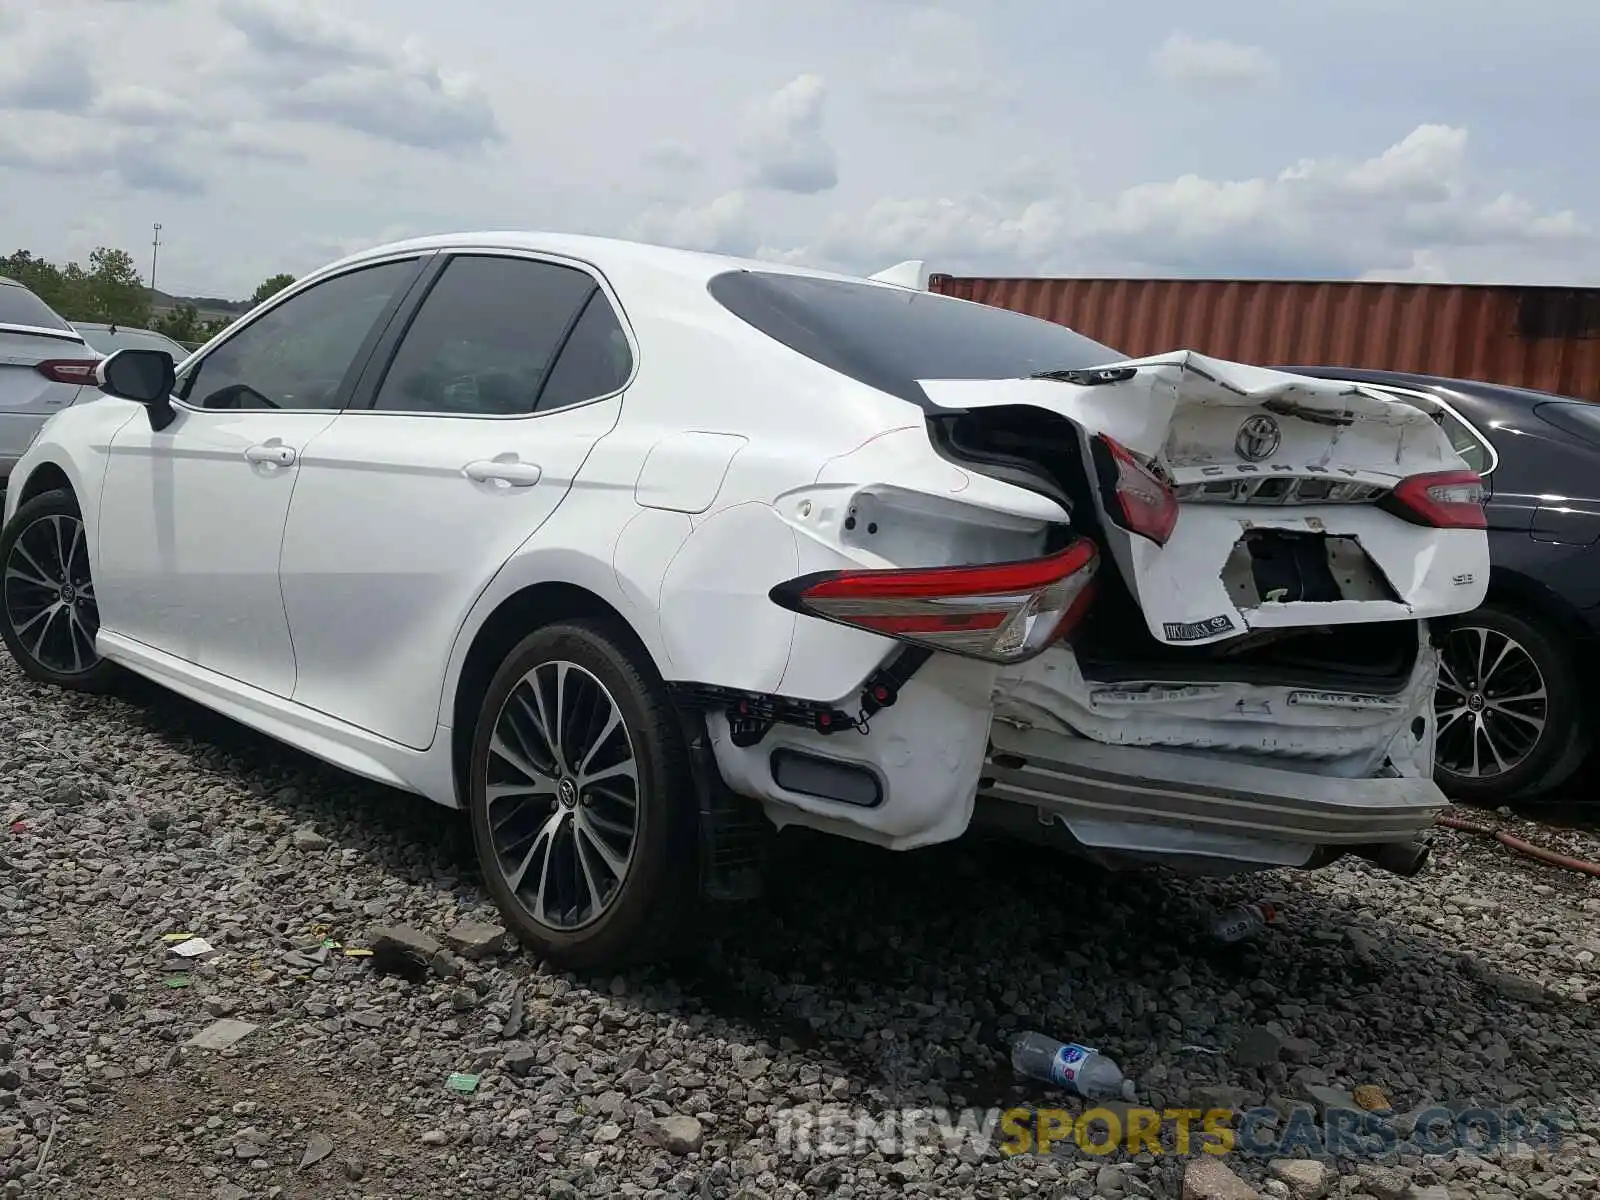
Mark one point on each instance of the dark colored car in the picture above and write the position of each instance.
(1517, 680)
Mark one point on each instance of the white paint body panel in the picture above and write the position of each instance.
(333, 602)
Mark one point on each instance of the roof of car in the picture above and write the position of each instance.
(601, 252)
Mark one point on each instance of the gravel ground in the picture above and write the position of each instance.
(866, 979)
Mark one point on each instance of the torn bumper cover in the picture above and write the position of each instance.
(1211, 777)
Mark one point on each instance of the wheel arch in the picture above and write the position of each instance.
(1533, 598)
(513, 618)
(46, 477)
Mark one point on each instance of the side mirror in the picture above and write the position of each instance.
(144, 376)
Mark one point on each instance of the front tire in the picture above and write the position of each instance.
(582, 802)
(1509, 707)
(48, 613)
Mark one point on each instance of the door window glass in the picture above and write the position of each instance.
(484, 340)
(298, 355)
(596, 360)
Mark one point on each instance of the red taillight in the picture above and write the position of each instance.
(999, 612)
(1134, 497)
(68, 370)
(1442, 500)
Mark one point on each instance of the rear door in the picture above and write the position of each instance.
(43, 363)
(466, 434)
(1287, 492)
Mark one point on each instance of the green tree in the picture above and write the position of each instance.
(108, 290)
(271, 287)
(113, 290)
(181, 324)
(43, 279)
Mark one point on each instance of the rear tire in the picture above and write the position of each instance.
(582, 802)
(48, 613)
(1519, 733)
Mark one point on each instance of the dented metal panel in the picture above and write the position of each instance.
(1536, 337)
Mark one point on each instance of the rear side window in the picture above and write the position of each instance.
(1574, 417)
(889, 338)
(596, 360)
(486, 338)
(1464, 440)
(19, 306)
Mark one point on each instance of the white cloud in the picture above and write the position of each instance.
(784, 144)
(311, 65)
(45, 74)
(1404, 208)
(939, 72)
(1212, 63)
(1027, 137)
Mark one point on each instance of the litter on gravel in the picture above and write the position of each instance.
(864, 984)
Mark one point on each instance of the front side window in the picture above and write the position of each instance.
(486, 339)
(298, 355)
(889, 338)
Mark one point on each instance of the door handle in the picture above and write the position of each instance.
(516, 474)
(276, 455)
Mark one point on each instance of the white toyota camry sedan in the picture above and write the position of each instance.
(637, 555)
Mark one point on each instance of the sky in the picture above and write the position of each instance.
(1433, 140)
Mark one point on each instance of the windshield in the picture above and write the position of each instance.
(19, 306)
(890, 337)
(107, 342)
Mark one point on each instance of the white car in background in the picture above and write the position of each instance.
(108, 339)
(636, 554)
(44, 366)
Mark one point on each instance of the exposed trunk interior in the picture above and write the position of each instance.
(1039, 450)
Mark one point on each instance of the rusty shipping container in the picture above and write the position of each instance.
(1536, 337)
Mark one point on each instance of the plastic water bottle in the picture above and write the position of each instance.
(1244, 920)
(1081, 1069)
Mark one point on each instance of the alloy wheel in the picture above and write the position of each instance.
(1491, 703)
(562, 796)
(49, 597)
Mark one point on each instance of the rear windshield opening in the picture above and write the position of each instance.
(19, 306)
(888, 337)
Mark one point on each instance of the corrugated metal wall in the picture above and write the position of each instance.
(1538, 337)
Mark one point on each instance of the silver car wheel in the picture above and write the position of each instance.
(562, 796)
(1491, 703)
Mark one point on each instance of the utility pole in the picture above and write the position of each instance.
(155, 249)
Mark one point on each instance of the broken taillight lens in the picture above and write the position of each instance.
(998, 612)
(1441, 500)
(1133, 496)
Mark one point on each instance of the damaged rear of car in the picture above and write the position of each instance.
(1192, 596)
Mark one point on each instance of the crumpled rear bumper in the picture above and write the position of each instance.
(1194, 811)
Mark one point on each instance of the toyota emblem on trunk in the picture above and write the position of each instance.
(1258, 438)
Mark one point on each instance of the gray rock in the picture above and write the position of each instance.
(1108, 1183)
(1209, 1179)
(1307, 1179)
(475, 940)
(309, 841)
(393, 944)
(1259, 1047)
(219, 1035)
(676, 1134)
(318, 1147)
(434, 1137)
(520, 1060)
(1382, 1183)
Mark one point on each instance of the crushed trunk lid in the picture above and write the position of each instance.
(1282, 483)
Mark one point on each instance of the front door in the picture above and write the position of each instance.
(191, 518)
(445, 463)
